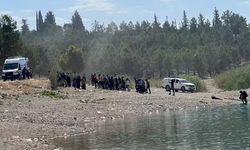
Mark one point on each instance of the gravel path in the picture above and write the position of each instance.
(29, 119)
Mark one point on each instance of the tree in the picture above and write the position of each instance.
(72, 60)
(39, 22)
(77, 23)
(112, 28)
(201, 21)
(216, 20)
(193, 25)
(50, 19)
(10, 39)
(25, 27)
(184, 21)
(198, 64)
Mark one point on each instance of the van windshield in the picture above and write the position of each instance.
(10, 66)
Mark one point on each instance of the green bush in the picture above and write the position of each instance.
(53, 80)
(200, 85)
(235, 79)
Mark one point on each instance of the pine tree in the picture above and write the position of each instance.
(25, 27)
(185, 21)
(77, 23)
(39, 22)
(193, 25)
(216, 20)
(50, 19)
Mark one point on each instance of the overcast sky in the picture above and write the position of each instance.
(106, 11)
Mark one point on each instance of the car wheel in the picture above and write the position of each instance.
(183, 89)
(167, 88)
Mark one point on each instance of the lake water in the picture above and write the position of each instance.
(210, 128)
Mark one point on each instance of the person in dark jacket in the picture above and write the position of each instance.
(172, 87)
(24, 72)
(243, 97)
(78, 82)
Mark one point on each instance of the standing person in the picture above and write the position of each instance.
(74, 80)
(92, 79)
(78, 82)
(172, 87)
(116, 84)
(95, 80)
(136, 85)
(148, 87)
(68, 80)
(123, 84)
(83, 82)
(24, 72)
(128, 85)
(243, 97)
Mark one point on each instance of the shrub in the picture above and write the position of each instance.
(200, 85)
(234, 79)
(51, 94)
(53, 80)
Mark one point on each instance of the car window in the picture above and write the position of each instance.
(184, 81)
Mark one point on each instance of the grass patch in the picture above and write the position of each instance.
(200, 85)
(52, 94)
(234, 79)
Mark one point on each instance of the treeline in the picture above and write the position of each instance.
(140, 49)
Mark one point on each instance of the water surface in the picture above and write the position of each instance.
(211, 128)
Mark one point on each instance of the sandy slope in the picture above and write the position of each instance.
(28, 120)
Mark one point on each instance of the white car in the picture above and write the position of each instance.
(179, 84)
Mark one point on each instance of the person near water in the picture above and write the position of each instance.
(172, 87)
(243, 97)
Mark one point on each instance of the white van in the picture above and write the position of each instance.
(13, 66)
(179, 84)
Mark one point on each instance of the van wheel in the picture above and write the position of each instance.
(167, 88)
(183, 89)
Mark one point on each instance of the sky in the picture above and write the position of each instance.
(105, 11)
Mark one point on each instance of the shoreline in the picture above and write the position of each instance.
(29, 120)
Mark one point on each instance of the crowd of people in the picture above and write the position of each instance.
(107, 82)
(110, 82)
(113, 83)
(72, 80)
(142, 86)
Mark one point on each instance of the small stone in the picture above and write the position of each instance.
(15, 137)
(28, 140)
(99, 112)
(1, 102)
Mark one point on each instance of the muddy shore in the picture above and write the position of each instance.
(30, 116)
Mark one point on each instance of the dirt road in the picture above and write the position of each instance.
(30, 114)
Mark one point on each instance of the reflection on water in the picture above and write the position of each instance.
(215, 128)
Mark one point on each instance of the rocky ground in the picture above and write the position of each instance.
(31, 115)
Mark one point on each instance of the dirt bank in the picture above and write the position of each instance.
(30, 115)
